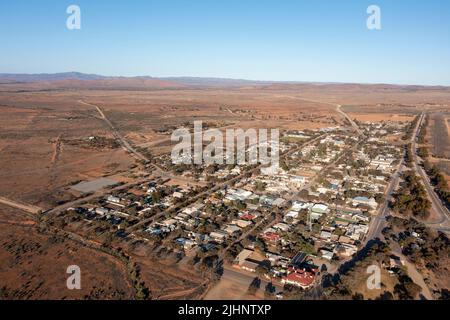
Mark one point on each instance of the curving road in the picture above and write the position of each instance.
(436, 203)
(349, 119)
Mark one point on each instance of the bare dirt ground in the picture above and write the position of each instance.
(232, 287)
(34, 264)
(36, 164)
(379, 117)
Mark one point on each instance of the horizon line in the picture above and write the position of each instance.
(219, 78)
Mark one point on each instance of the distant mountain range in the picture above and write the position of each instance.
(78, 80)
(45, 77)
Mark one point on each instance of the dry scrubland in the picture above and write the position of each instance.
(35, 259)
(38, 162)
(43, 151)
(34, 264)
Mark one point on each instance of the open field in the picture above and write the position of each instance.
(41, 154)
(379, 117)
(36, 163)
(440, 135)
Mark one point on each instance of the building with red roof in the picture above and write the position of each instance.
(271, 237)
(300, 278)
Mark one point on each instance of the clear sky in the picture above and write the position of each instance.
(298, 40)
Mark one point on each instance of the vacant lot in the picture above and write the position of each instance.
(234, 285)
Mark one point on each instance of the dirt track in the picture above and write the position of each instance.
(22, 206)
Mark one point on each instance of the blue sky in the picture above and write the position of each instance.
(314, 40)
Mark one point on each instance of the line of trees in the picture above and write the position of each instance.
(410, 128)
(439, 182)
(409, 156)
(423, 131)
(411, 198)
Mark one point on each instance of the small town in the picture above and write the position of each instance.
(289, 223)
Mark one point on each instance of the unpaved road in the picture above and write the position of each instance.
(22, 206)
(124, 143)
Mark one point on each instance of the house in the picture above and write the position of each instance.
(239, 194)
(357, 231)
(281, 227)
(292, 215)
(248, 260)
(298, 205)
(325, 235)
(297, 180)
(248, 217)
(218, 236)
(266, 201)
(243, 255)
(345, 250)
(300, 278)
(365, 201)
(279, 202)
(318, 210)
(326, 254)
(271, 237)
(382, 163)
(113, 199)
(361, 217)
(249, 266)
(347, 240)
(177, 195)
(101, 211)
(242, 223)
(189, 244)
(169, 224)
(232, 229)
(298, 259)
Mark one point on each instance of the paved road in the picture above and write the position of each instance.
(346, 116)
(378, 222)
